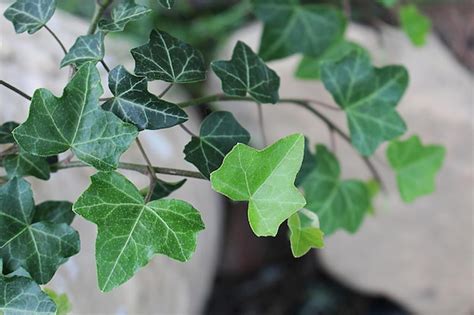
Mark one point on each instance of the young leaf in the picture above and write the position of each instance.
(62, 302)
(304, 232)
(168, 59)
(415, 24)
(75, 121)
(126, 11)
(167, 3)
(54, 212)
(247, 73)
(338, 203)
(130, 231)
(163, 189)
(21, 295)
(134, 104)
(86, 48)
(219, 133)
(30, 15)
(310, 67)
(39, 247)
(266, 179)
(6, 129)
(369, 96)
(416, 166)
(292, 27)
(25, 164)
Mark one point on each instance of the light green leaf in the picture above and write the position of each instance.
(266, 179)
(6, 135)
(54, 212)
(168, 59)
(292, 27)
(134, 104)
(39, 247)
(304, 232)
(415, 24)
(163, 189)
(30, 15)
(220, 132)
(86, 48)
(167, 3)
(369, 96)
(125, 11)
(416, 166)
(338, 203)
(21, 295)
(374, 188)
(62, 302)
(130, 232)
(310, 67)
(247, 73)
(25, 164)
(75, 121)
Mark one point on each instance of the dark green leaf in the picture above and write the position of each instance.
(308, 164)
(415, 24)
(134, 104)
(125, 11)
(304, 232)
(416, 166)
(55, 212)
(168, 59)
(292, 27)
(38, 247)
(6, 129)
(266, 179)
(130, 231)
(163, 189)
(167, 3)
(25, 164)
(30, 15)
(21, 295)
(338, 203)
(86, 48)
(75, 121)
(246, 73)
(219, 133)
(369, 96)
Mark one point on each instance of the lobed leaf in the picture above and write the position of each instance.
(219, 133)
(124, 12)
(75, 121)
(163, 189)
(25, 164)
(6, 129)
(266, 179)
(130, 232)
(304, 232)
(134, 104)
(86, 48)
(415, 24)
(30, 15)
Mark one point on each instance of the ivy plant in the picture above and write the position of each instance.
(286, 181)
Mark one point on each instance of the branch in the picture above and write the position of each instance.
(16, 90)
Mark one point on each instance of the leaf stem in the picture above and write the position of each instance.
(99, 11)
(261, 123)
(189, 132)
(105, 65)
(151, 171)
(56, 38)
(15, 89)
(165, 90)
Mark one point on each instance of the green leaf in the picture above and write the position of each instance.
(125, 11)
(61, 300)
(369, 96)
(388, 3)
(6, 135)
(86, 48)
(75, 121)
(292, 27)
(415, 24)
(39, 247)
(310, 67)
(308, 164)
(266, 179)
(21, 295)
(219, 133)
(30, 15)
(247, 73)
(304, 232)
(25, 164)
(168, 59)
(167, 3)
(416, 166)
(134, 104)
(130, 231)
(54, 212)
(338, 203)
(374, 188)
(163, 189)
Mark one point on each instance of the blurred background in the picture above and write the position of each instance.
(406, 259)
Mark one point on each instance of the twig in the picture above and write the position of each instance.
(14, 89)
(165, 90)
